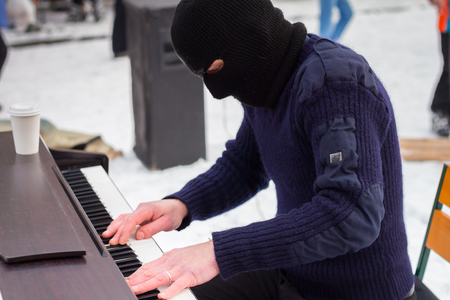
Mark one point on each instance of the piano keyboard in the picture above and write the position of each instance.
(103, 202)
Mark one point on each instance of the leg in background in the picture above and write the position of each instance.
(346, 13)
(441, 100)
(119, 40)
(326, 13)
(440, 105)
(3, 52)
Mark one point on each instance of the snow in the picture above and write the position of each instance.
(81, 87)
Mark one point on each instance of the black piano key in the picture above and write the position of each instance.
(75, 178)
(69, 175)
(126, 260)
(150, 295)
(127, 274)
(128, 270)
(93, 208)
(84, 193)
(93, 204)
(88, 200)
(120, 252)
(118, 248)
(97, 214)
(93, 201)
(73, 181)
(131, 264)
(101, 229)
(102, 222)
(82, 198)
(101, 217)
(82, 189)
(124, 255)
(149, 298)
(70, 171)
(82, 184)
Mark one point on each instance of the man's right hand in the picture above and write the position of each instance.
(153, 217)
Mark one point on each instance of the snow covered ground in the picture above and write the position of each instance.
(82, 88)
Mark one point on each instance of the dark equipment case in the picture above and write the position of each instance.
(167, 99)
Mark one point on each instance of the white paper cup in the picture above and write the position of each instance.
(25, 123)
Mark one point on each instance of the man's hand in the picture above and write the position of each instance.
(153, 217)
(187, 267)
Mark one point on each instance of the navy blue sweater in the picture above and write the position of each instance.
(330, 146)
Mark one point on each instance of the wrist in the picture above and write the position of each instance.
(181, 206)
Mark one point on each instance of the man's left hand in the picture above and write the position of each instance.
(188, 267)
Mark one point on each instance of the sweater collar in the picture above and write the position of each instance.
(288, 66)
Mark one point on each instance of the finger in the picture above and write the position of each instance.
(112, 228)
(146, 271)
(156, 281)
(150, 274)
(128, 225)
(122, 235)
(152, 228)
(176, 287)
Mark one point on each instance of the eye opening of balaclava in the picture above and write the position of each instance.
(258, 46)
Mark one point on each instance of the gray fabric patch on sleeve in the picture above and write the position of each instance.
(359, 230)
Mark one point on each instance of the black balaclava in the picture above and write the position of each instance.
(258, 46)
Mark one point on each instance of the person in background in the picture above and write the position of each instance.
(3, 47)
(440, 105)
(119, 37)
(22, 15)
(319, 124)
(328, 28)
(78, 12)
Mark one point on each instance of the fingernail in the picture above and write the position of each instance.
(134, 288)
(140, 235)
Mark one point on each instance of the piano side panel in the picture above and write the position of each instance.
(88, 277)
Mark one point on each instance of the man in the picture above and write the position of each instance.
(440, 104)
(317, 122)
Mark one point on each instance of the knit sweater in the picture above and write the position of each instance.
(331, 148)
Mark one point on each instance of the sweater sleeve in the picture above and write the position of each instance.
(346, 126)
(234, 178)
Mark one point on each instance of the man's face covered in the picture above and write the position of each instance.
(251, 37)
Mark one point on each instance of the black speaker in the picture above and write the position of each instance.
(167, 98)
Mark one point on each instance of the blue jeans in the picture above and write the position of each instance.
(331, 30)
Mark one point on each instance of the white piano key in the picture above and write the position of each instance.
(147, 250)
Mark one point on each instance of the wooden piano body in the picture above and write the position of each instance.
(49, 247)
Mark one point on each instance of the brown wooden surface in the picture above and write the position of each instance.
(439, 235)
(425, 149)
(33, 224)
(87, 277)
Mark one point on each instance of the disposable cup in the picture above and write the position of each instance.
(25, 123)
